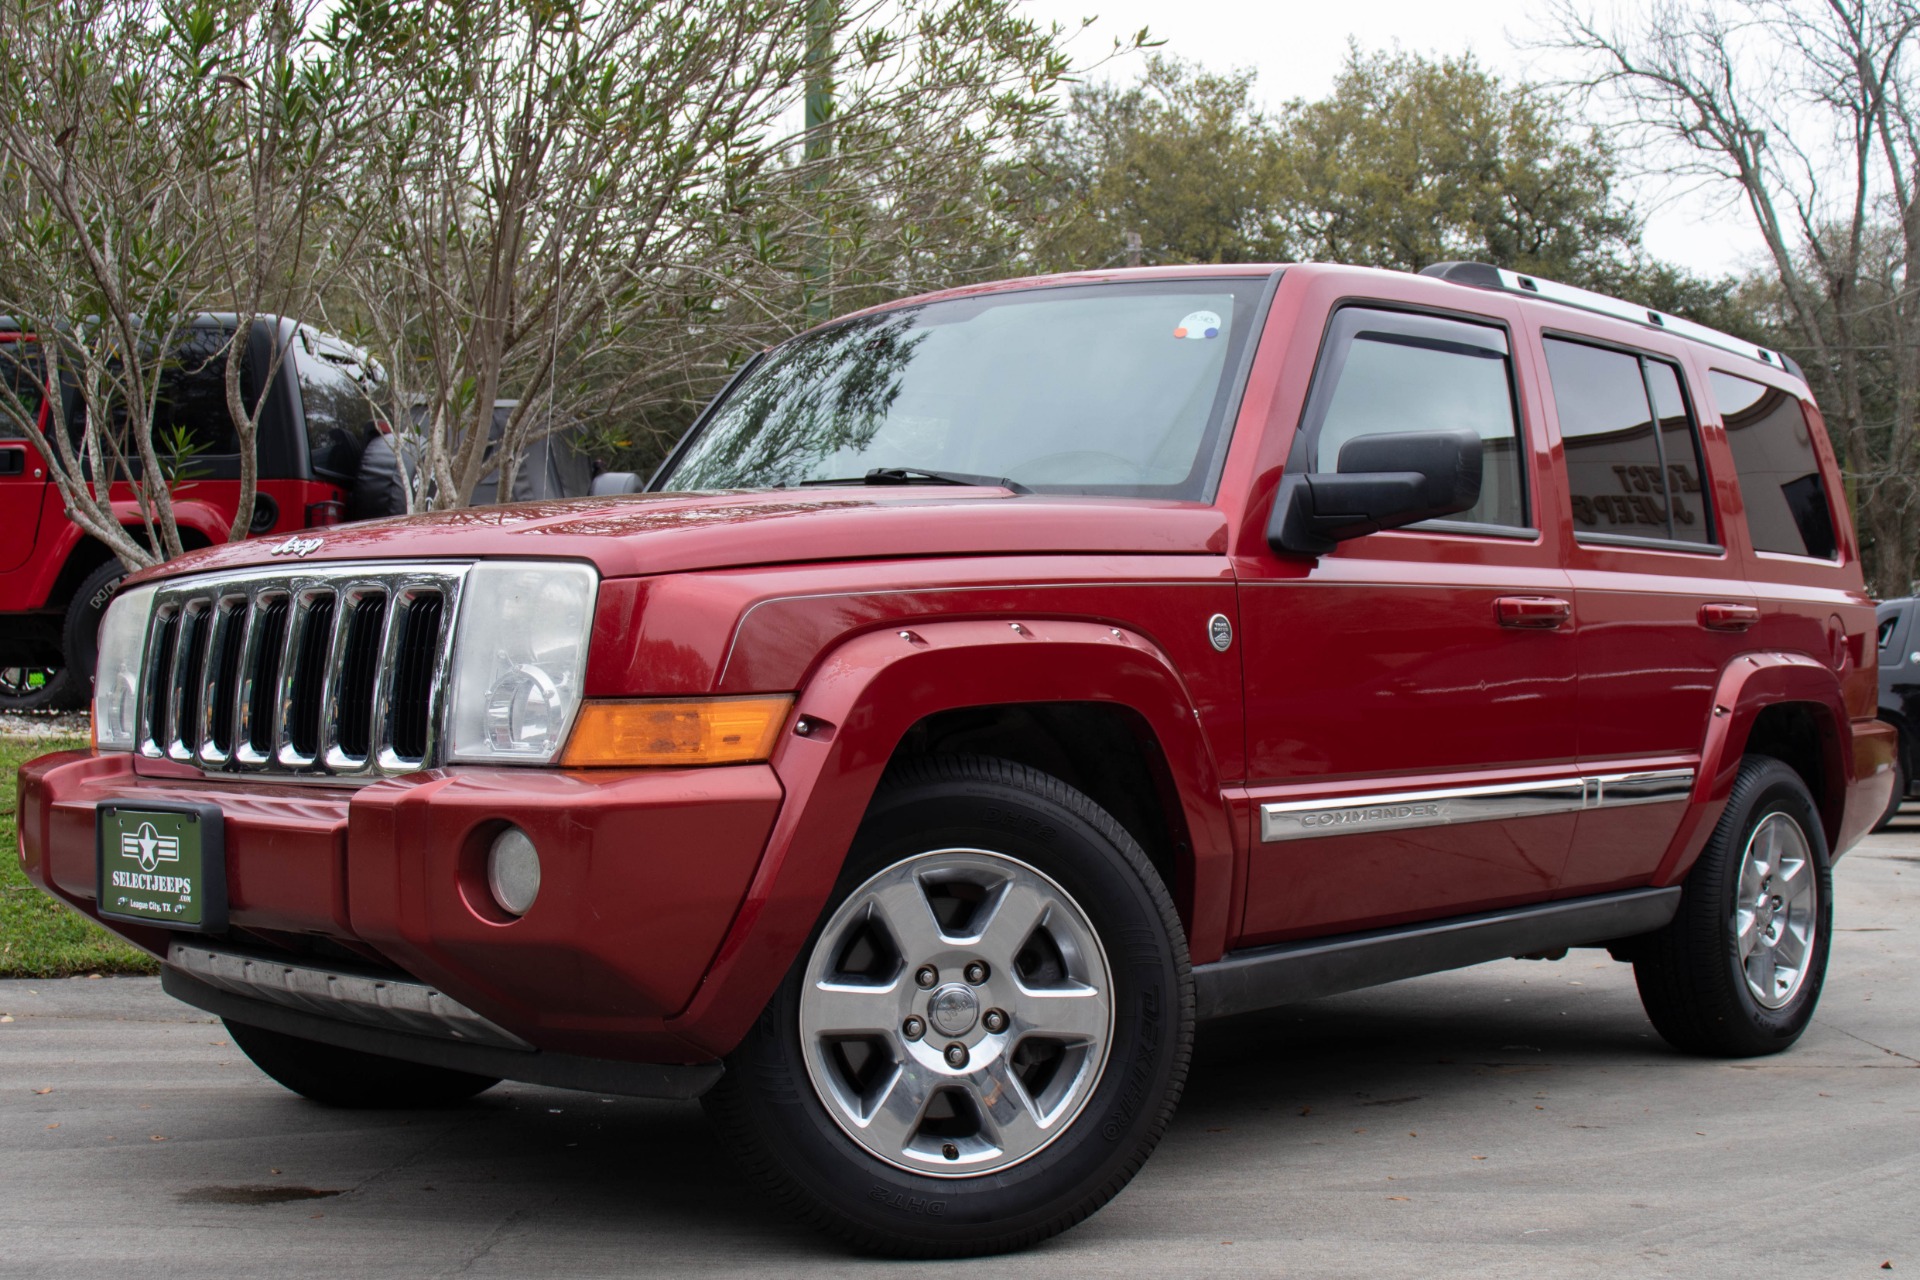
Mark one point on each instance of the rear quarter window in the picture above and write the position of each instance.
(1777, 466)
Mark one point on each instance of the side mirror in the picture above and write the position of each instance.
(1383, 482)
(612, 484)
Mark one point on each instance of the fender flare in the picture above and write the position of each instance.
(203, 518)
(1749, 685)
(860, 702)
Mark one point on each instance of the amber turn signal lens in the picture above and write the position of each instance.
(676, 731)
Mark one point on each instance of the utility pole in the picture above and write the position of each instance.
(1133, 249)
(822, 17)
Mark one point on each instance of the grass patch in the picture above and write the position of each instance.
(40, 937)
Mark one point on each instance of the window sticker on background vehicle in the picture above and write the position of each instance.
(1198, 326)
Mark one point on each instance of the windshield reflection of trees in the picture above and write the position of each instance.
(814, 398)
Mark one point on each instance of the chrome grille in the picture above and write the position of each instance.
(321, 672)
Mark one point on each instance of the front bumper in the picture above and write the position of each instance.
(643, 873)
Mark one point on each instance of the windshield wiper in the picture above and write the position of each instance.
(920, 475)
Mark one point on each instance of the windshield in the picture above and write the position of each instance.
(1111, 389)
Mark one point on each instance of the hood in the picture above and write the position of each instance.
(678, 533)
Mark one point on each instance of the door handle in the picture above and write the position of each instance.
(1542, 613)
(1721, 616)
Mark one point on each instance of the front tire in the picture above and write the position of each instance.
(338, 1077)
(1738, 971)
(988, 1031)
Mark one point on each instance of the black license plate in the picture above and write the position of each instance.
(164, 864)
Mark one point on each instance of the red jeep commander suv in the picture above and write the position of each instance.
(991, 685)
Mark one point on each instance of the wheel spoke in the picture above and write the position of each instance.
(1761, 969)
(1794, 881)
(841, 1009)
(1007, 1116)
(1017, 911)
(1746, 930)
(1072, 1014)
(903, 911)
(896, 1114)
(1791, 950)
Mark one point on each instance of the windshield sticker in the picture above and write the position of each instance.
(1199, 326)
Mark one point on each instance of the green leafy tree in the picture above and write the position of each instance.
(1412, 161)
(1180, 167)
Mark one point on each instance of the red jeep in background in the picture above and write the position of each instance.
(991, 685)
(55, 580)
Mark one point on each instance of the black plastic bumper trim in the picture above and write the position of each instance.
(563, 1071)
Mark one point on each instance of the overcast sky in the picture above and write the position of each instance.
(1297, 48)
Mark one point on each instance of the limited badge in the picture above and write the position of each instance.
(1198, 326)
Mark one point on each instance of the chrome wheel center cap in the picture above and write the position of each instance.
(953, 1009)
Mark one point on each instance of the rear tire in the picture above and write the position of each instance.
(986, 1034)
(80, 634)
(1738, 971)
(339, 1077)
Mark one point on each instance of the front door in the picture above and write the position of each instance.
(1410, 695)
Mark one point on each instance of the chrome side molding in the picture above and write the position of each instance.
(1399, 810)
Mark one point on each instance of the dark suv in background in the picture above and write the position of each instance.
(1900, 689)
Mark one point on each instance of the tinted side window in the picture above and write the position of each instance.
(339, 410)
(1628, 471)
(193, 396)
(1779, 472)
(1679, 453)
(20, 370)
(1388, 373)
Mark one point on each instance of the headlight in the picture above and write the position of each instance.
(519, 658)
(116, 676)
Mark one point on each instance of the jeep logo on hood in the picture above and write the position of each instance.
(296, 546)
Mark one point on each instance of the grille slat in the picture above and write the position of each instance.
(321, 672)
(359, 667)
(412, 692)
(306, 683)
(189, 667)
(223, 678)
(262, 678)
(158, 684)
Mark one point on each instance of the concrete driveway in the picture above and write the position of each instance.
(1519, 1119)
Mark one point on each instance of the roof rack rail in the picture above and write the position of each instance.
(1481, 275)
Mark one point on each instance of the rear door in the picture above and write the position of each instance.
(23, 472)
(1663, 604)
(1410, 694)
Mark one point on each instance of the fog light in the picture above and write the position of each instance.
(513, 871)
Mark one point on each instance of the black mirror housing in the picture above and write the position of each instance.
(1383, 482)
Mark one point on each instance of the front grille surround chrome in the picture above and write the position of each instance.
(261, 673)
